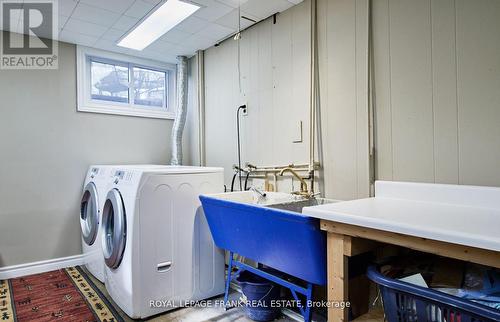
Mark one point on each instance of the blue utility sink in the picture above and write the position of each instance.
(270, 230)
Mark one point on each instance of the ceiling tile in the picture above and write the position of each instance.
(118, 6)
(174, 36)
(110, 46)
(98, 23)
(192, 25)
(155, 2)
(185, 51)
(161, 46)
(232, 3)
(77, 38)
(265, 8)
(95, 15)
(211, 10)
(85, 28)
(66, 7)
(215, 32)
(231, 20)
(139, 9)
(62, 20)
(176, 49)
(125, 23)
(163, 56)
(196, 42)
(113, 35)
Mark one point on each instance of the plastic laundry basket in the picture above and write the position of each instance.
(408, 302)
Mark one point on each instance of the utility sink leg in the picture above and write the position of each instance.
(308, 311)
(228, 281)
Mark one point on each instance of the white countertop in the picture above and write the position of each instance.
(464, 215)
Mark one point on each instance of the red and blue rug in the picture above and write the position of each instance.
(63, 295)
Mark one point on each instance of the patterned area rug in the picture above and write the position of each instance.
(62, 295)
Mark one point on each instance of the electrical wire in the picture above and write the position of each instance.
(237, 37)
(246, 181)
(242, 107)
(232, 181)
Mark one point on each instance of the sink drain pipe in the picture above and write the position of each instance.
(180, 117)
(313, 93)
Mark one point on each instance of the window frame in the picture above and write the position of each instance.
(86, 55)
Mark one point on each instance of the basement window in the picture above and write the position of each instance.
(119, 84)
(109, 81)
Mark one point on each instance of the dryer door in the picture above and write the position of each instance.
(114, 229)
(89, 214)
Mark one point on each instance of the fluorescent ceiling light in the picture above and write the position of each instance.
(164, 18)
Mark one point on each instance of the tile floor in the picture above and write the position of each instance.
(193, 314)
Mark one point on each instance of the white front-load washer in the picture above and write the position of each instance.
(95, 188)
(94, 194)
(156, 242)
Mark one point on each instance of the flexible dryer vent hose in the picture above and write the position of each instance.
(180, 118)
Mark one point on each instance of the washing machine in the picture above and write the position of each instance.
(94, 192)
(157, 246)
(95, 188)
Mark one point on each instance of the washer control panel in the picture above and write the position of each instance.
(94, 172)
(121, 175)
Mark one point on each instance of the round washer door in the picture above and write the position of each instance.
(89, 214)
(114, 229)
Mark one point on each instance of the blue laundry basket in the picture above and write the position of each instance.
(407, 302)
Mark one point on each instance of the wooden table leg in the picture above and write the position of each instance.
(338, 277)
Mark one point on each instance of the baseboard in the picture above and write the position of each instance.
(40, 267)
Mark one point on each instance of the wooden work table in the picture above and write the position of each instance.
(458, 222)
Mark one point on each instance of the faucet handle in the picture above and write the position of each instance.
(305, 194)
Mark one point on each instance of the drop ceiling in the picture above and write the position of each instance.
(101, 23)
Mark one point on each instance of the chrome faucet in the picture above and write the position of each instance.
(260, 193)
(303, 184)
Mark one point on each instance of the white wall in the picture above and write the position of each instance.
(275, 61)
(437, 77)
(191, 134)
(46, 147)
(343, 83)
(275, 82)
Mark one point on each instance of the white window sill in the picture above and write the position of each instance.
(129, 111)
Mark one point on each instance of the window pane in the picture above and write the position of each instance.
(149, 87)
(109, 82)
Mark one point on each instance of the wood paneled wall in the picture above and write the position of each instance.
(436, 92)
(437, 81)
